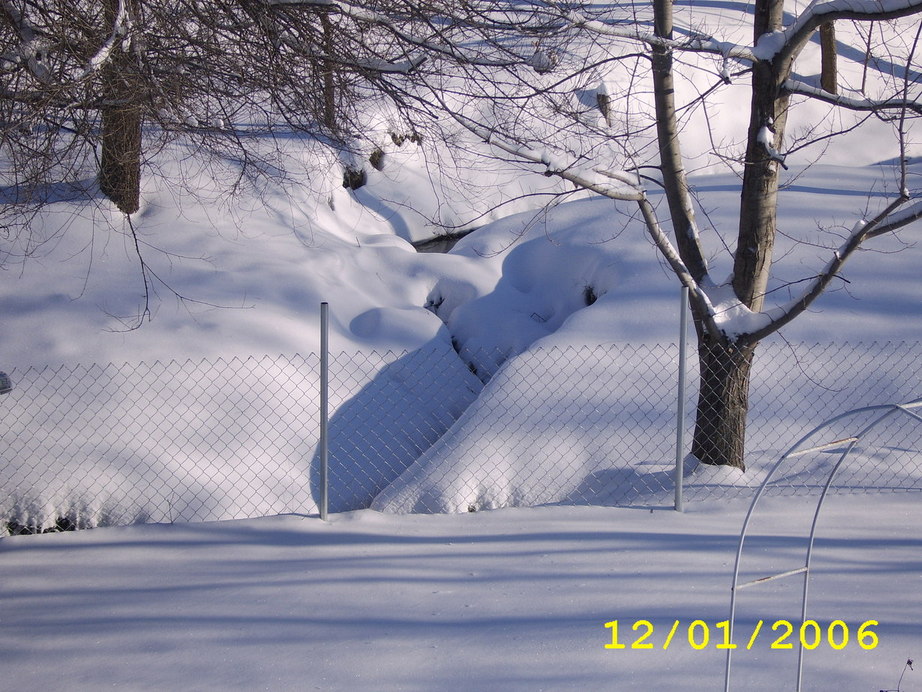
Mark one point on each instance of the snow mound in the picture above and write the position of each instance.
(404, 407)
(554, 425)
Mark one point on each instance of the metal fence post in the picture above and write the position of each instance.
(324, 406)
(680, 406)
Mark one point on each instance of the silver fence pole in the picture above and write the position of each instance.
(324, 406)
(680, 405)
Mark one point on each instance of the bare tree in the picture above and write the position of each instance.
(91, 91)
(102, 85)
(726, 350)
(558, 85)
(527, 82)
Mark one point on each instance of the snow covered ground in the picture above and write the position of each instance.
(510, 599)
(514, 599)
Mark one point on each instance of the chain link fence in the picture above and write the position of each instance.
(159, 442)
(86, 446)
(598, 426)
(797, 387)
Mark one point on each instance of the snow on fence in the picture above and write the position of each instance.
(84, 446)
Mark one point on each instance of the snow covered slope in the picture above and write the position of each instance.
(237, 274)
(521, 291)
(576, 438)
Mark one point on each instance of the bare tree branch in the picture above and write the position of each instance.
(854, 103)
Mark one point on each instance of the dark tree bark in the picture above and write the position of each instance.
(723, 401)
(725, 365)
(120, 165)
(829, 74)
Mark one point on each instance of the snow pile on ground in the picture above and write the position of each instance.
(555, 295)
(108, 423)
(500, 377)
(402, 410)
(229, 275)
(561, 426)
(556, 425)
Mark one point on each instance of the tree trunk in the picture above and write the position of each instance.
(675, 181)
(720, 425)
(120, 165)
(759, 197)
(723, 402)
(723, 398)
(829, 74)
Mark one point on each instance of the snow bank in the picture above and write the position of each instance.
(557, 425)
(565, 423)
(234, 275)
(201, 440)
(382, 428)
(561, 425)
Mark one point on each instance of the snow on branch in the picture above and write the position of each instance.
(897, 219)
(614, 184)
(33, 49)
(698, 297)
(786, 44)
(696, 43)
(796, 86)
(387, 67)
(618, 185)
(119, 30)
(33, 46)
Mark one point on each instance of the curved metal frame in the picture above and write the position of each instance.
(887, 410)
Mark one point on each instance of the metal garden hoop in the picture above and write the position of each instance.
(883, 412)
